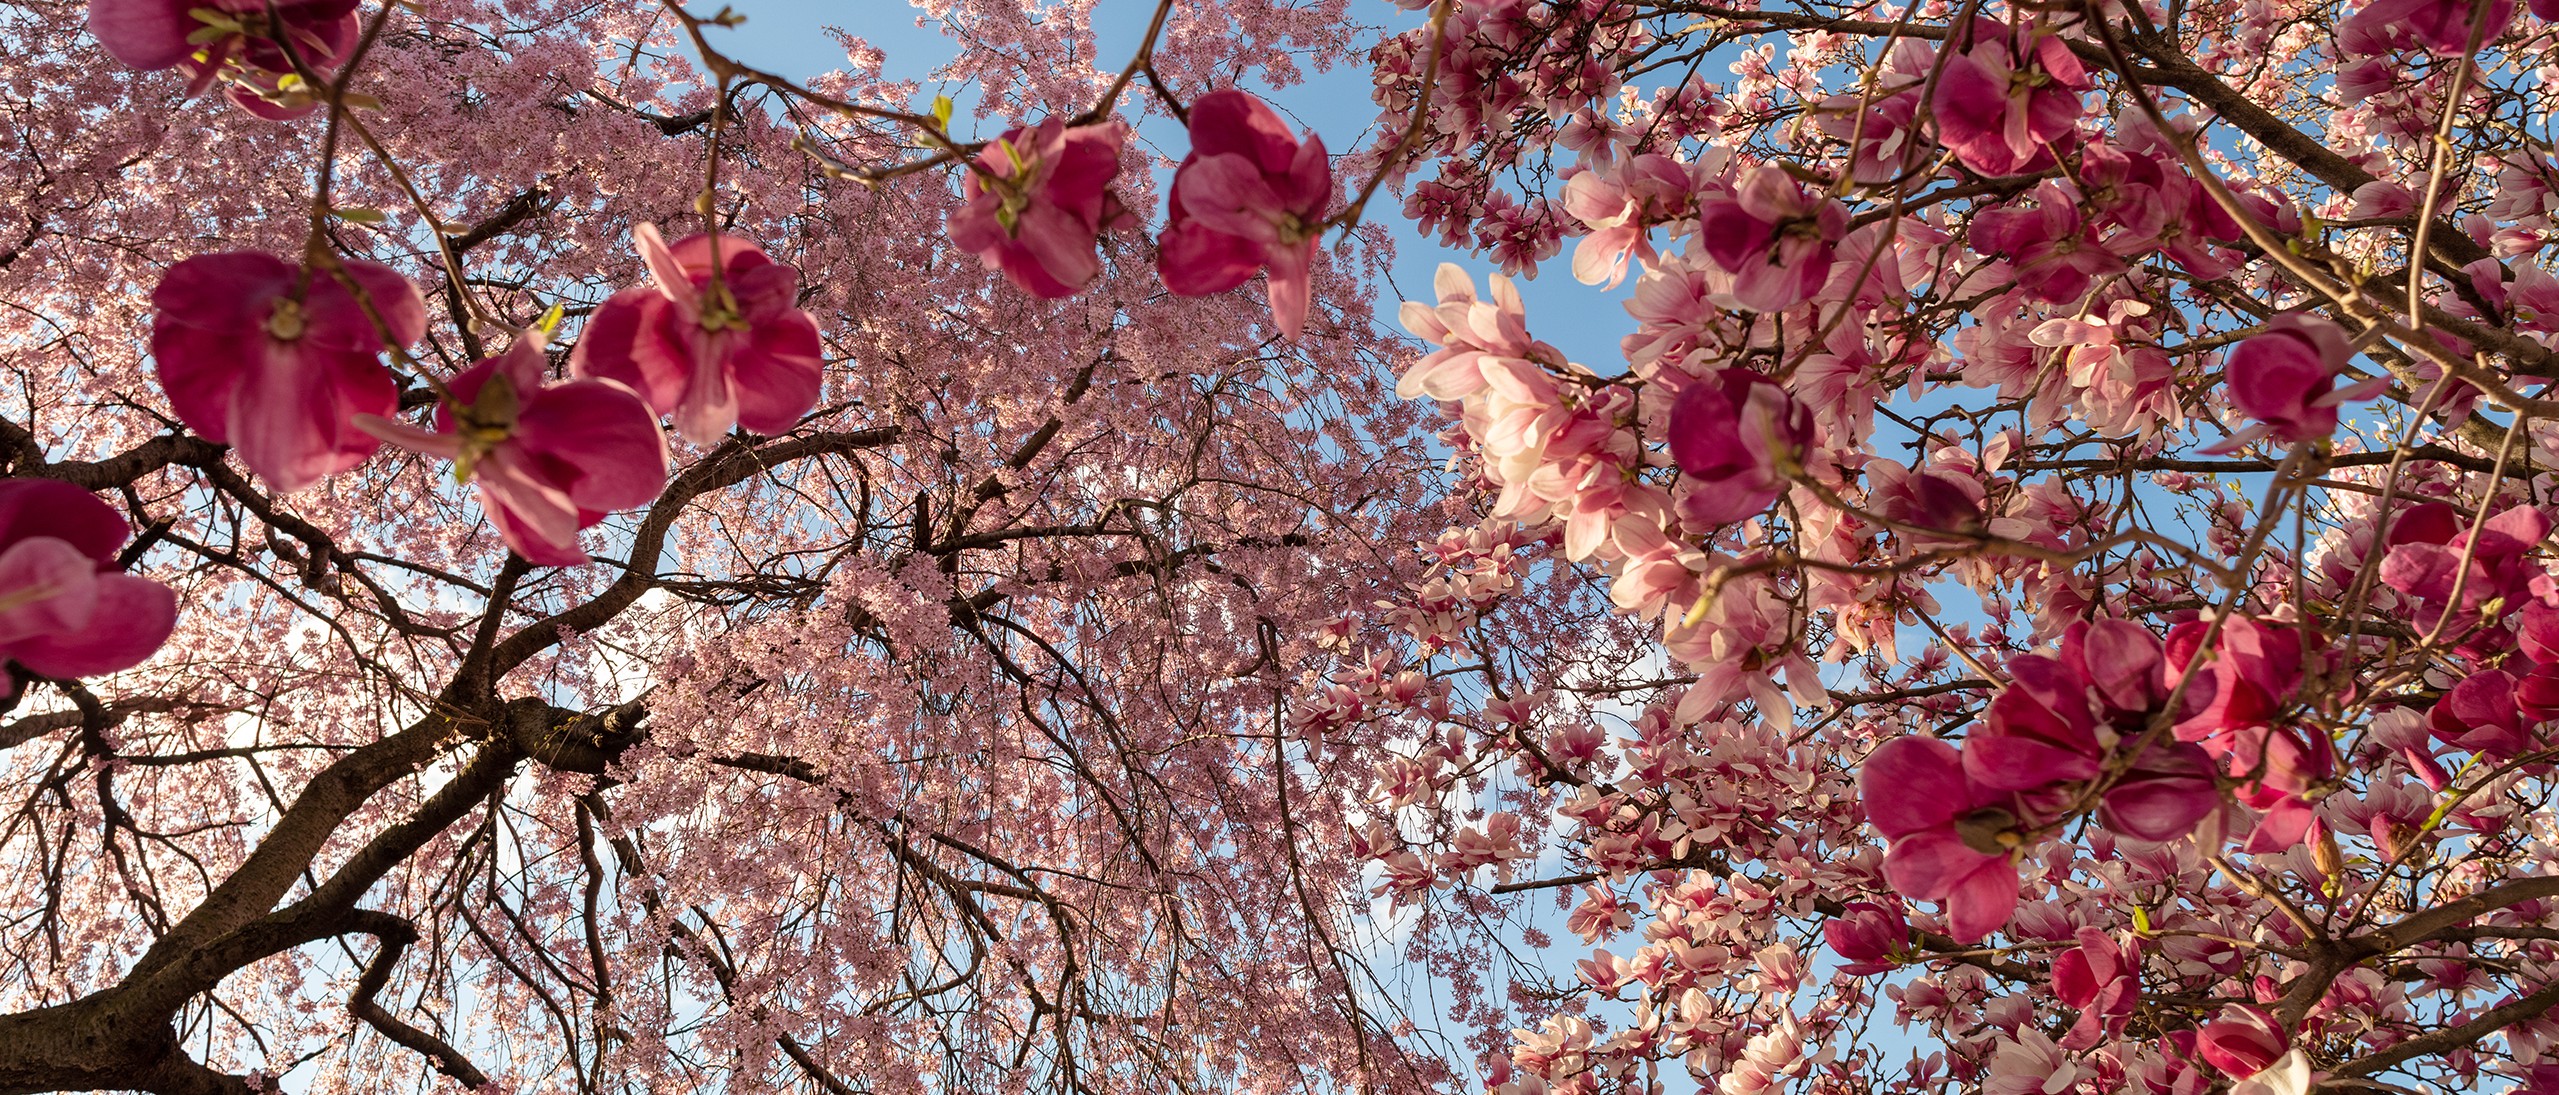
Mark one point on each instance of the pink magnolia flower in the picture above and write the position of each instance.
(2428, 545)
(2481, 715)
(1935, 497)
(245, 39)
(1037, 199)
(2254, 670)
(1775, 239)
(2038, 731)
(1620, 208)
(1732, 433)
(2284, 379)
(1869, 936)
(2054, 253)
(2100, 979)
(2061, 719)
(2163, 795)
(65, 611)
(1953, 840)
(2441, 27)
(1249, 196)
(2003, 98)
(548, 459)
(741, 352)
(2287, 767)
(277, 361)
(2242, 1042)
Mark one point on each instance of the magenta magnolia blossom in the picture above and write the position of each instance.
(2441, 27)
(2003, 98)
(2434, 558)
(277, 361)
(2242, 1042)
(2484, 714)
(1248, 196)
(1775, 239)
(247, 38)
(65, 610)
(1734, 435)
(1871, 936)
(1036, 200)
(2100, 979)
(2061, 719)
(1953, 840)
(548, 459)
(2284, 378)
(738, 352)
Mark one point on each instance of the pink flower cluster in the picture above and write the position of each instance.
(66, 607)
(285, 365)
(261, 48)
(2070, 732)
(1249, 198)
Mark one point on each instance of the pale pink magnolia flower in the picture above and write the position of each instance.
(1604, 972)
(65, 609)
(1620, 209)
(2290, 1074)
(1883, 121)
(1741, 645)
(1469, 329)
(245, 39)
(2284, 378)
(1651, 570)
(2130, 384)
(1249, 196)
(1037, 199)
(547, 459)
(276, 361)
(740, 352)
(2030, 1064)
(1599, 915)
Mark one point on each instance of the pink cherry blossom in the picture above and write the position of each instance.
(1952, 839)
(246, 40)
(66, 610)
(1733, 434)
(738, 352)
(1249, 196)
(2284, 378)
(2003, 98)
(1035, 201)
(548, 458)
(1776, 240)
(277, 361)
